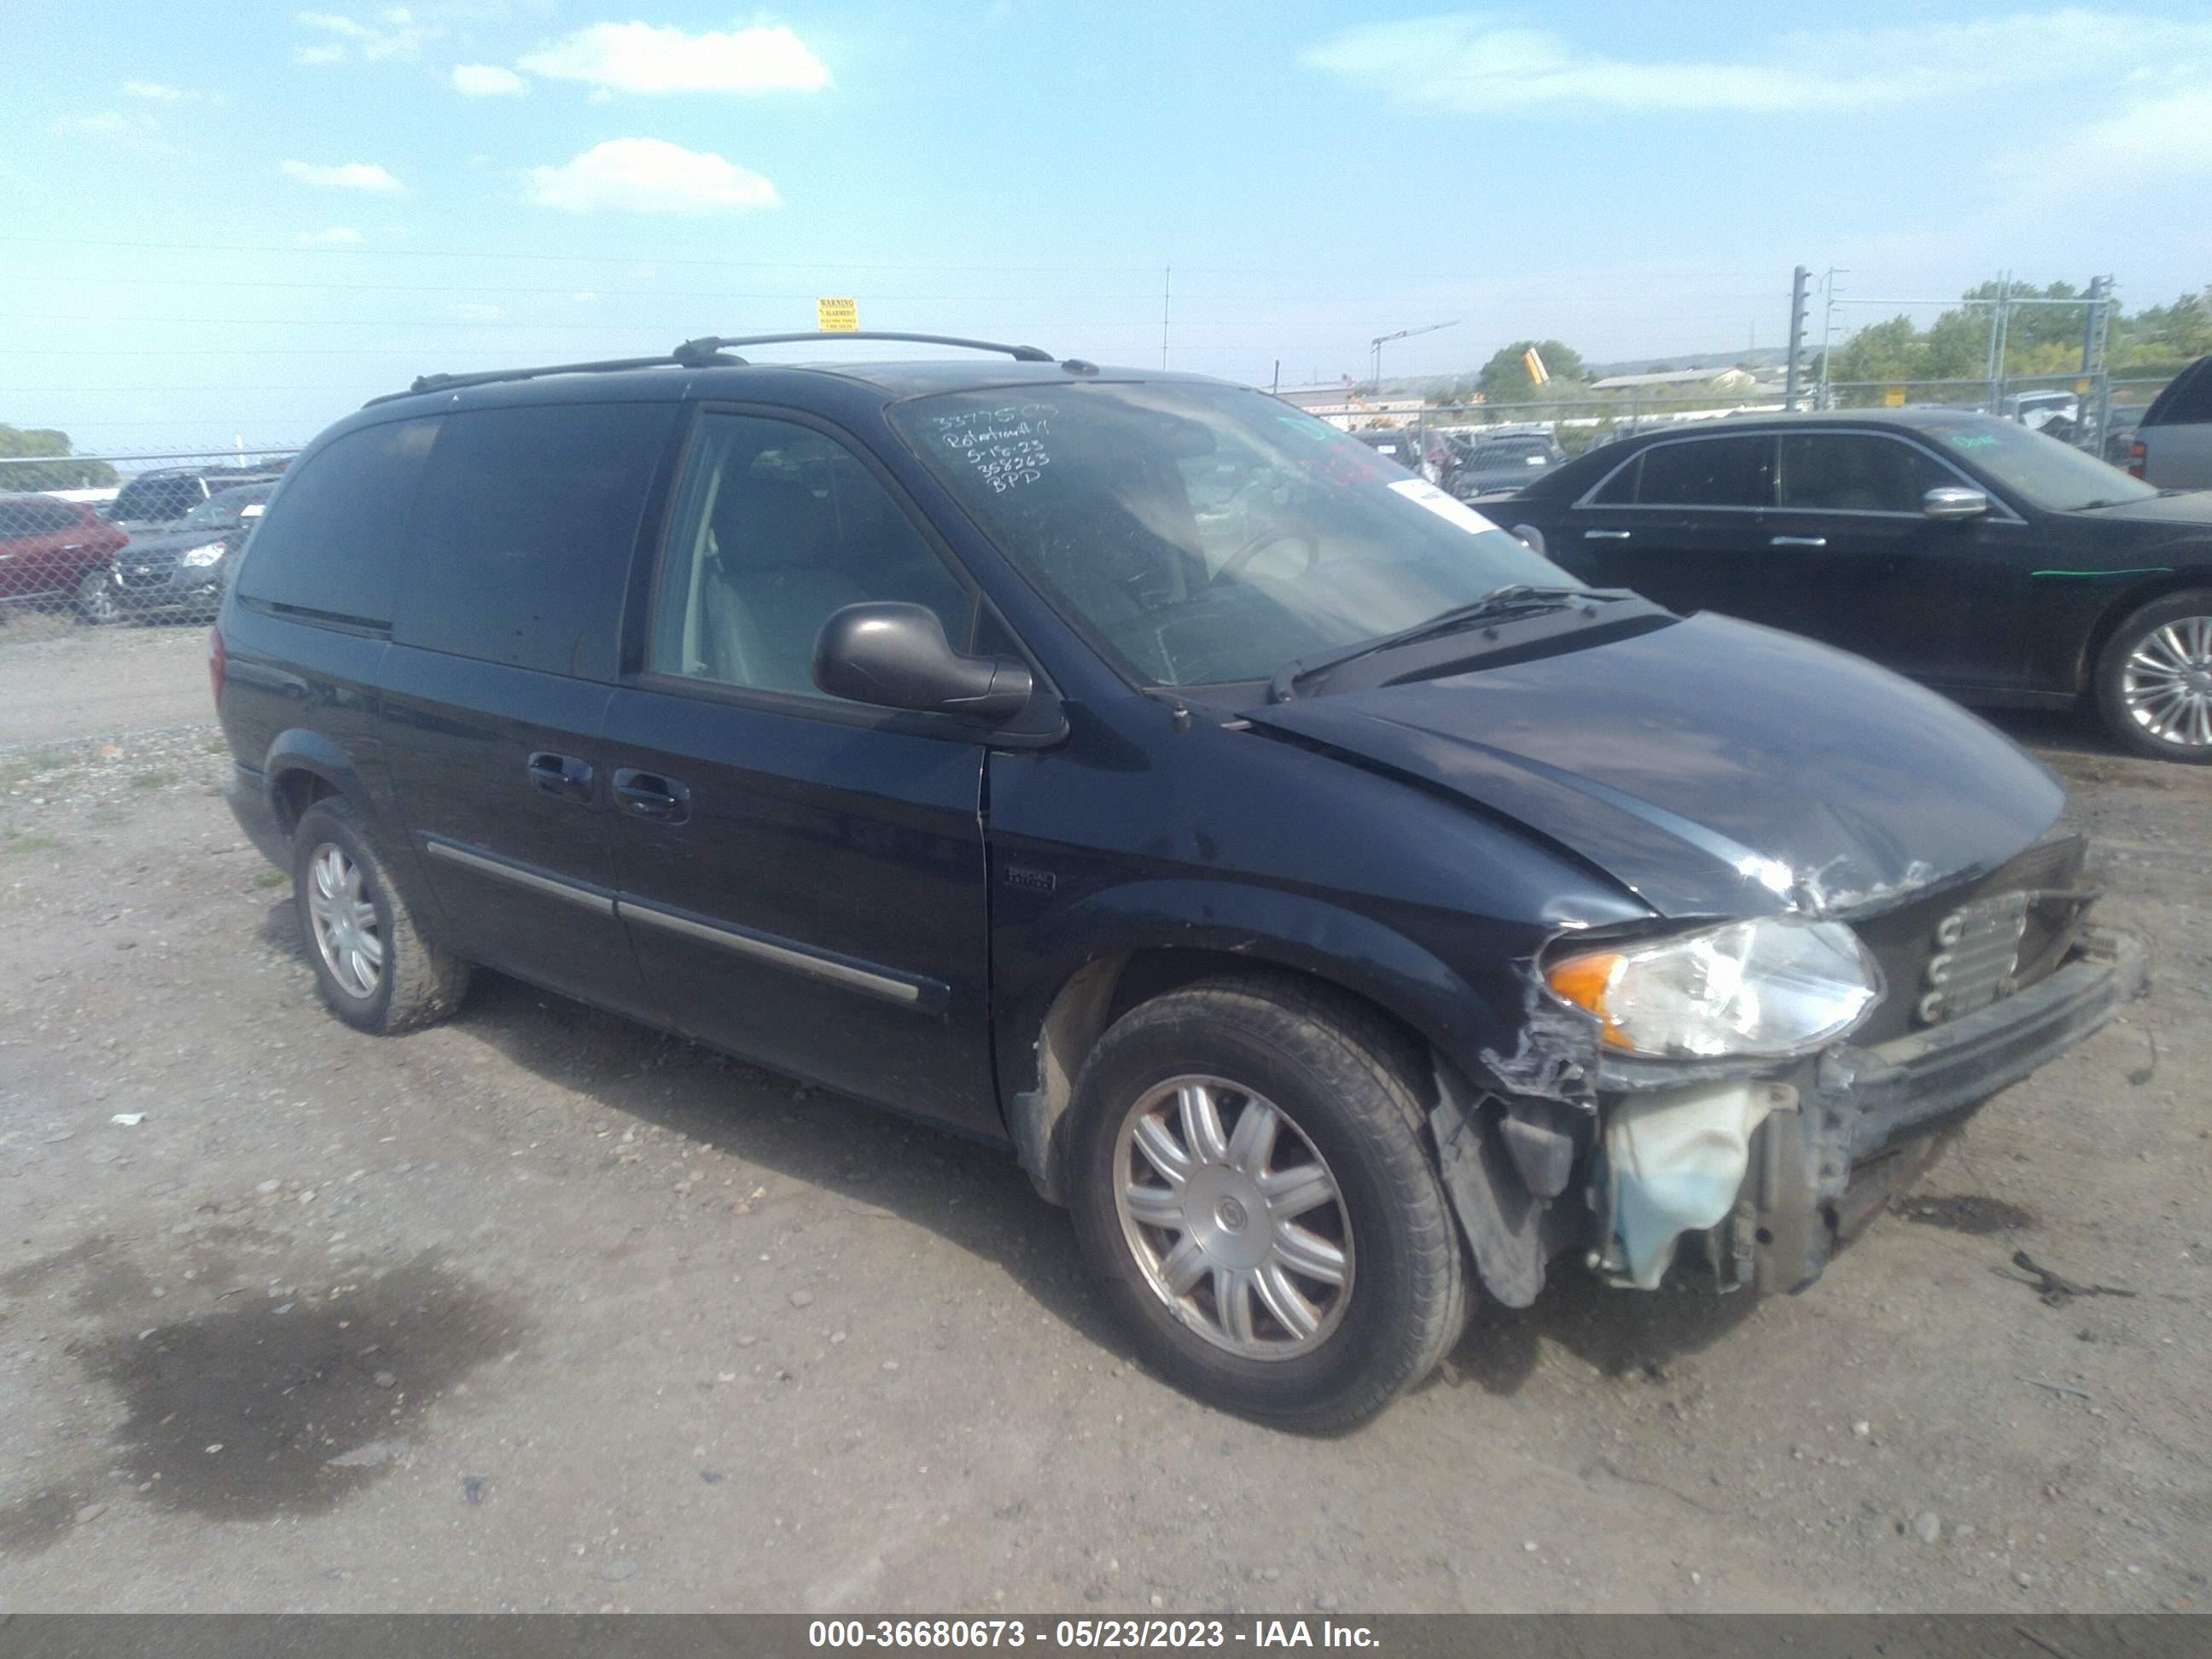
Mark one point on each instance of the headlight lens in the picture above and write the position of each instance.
(1774, 986)
(202, 555)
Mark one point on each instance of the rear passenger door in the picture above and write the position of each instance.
(1680, 523)
(502, 662)
(802, 877)
(1860, 564)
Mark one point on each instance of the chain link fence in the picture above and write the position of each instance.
(101, 541)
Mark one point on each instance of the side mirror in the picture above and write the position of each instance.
(1950, 502)
(896, 656)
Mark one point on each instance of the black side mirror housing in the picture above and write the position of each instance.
(896, 656)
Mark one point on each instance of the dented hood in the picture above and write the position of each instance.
(1711, 767)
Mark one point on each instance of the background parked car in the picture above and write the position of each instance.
(1502, 465)
(1992, 562)
(1423, 453)
(181, 571)
(153, 500)
(2174, 444)
(51, 552)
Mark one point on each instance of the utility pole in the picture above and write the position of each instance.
(1800, 281)
(1167, 286)
(2095, 315)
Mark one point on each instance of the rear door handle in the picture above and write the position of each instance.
(1799, 541)
(560, 774)
(649, 795)
(1605, 535)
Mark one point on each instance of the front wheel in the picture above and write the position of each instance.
(96, 602)
(1249, 1184)
(2154, 679)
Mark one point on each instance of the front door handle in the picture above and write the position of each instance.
(1799, 541)
(1605, 535)
(650, 795)
(560, 774)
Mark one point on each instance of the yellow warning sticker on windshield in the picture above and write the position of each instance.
(1450, 509)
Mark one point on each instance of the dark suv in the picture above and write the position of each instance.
(153, 500)
(1326, 900)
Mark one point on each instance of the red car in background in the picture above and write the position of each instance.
(52, 551)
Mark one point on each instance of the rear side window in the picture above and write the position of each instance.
(2187, 399)
(1857, 473)
(330, 543)
(1619, 489)
(1706, 472)
(523, 536)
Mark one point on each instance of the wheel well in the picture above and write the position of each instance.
(2182, 582)
(1107, 987)
(294, 791)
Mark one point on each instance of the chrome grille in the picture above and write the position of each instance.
(1977, 953)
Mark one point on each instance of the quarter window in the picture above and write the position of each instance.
(330, 545)
(1707, 473)
(778, 527)
(1856, 472)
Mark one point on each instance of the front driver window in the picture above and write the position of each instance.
(777, 528)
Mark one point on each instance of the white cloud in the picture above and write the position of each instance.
(154, 91)
(336, 236)
(1483, 62)
(640, 57)
(584, 296)
(488, 81)
(393, 32)
(650, 175)
(469, 312)
(2165, 133)
(346, 175)
(132, 129)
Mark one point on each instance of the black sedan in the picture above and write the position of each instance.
(181, 570)
(1501, 465)
(1989, 562)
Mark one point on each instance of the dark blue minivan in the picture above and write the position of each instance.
(1326, 898)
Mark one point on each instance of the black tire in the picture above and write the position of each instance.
(417, 984)
(95, 603)
(1351, 1091)
(2112, 688)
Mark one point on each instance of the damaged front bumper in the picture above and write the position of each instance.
(1734, 1179)
(1870, 1119)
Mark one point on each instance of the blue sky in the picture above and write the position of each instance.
(325, 203)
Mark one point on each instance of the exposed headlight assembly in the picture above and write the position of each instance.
(202, 555)
(1770, 988)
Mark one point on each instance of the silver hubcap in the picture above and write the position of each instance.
(2167, 683)
(1233, 1217)
(345, 922)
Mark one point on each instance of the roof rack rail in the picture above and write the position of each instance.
(704, 353)
(694, 352)
(493, 376)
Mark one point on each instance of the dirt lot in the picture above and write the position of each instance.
(538, 1310)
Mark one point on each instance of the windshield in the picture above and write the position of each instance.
(218, 513)
(2052, 475)
(1202, 534)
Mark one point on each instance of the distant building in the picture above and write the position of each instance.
(1677, 380)
(1344, 409)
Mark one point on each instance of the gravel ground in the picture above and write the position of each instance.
(538, 1310)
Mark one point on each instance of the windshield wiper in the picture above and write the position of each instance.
(1514, 599)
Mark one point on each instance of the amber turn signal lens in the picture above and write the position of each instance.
(1583, 981)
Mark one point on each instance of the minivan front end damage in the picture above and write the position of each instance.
(1735, 1172)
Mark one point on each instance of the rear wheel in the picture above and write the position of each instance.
(373, 966)
(2154, 679)
(1249, 1184)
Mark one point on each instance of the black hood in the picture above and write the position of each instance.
(2189, 509)
(1711, 767)
(162, 540)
